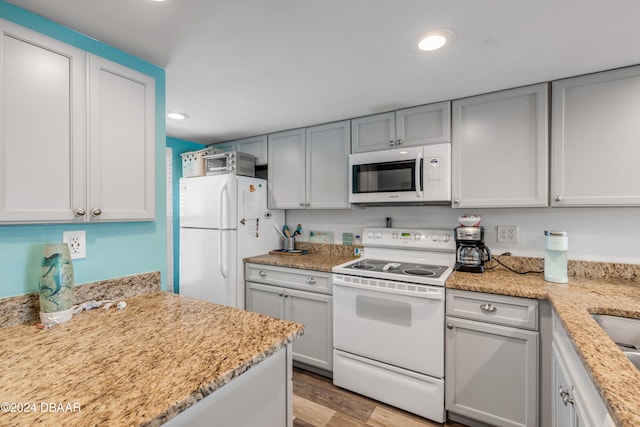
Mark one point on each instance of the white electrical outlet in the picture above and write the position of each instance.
(77, 241)
(507, 234)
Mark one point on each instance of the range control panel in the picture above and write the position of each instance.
(428, 239)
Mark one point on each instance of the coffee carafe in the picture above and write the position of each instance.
(471, 253)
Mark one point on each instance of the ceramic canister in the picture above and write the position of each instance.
(56, 284)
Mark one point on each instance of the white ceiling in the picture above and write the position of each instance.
(246, 67)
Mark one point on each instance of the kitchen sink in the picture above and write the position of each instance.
(625, 332)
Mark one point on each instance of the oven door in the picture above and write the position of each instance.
(401, 330)
(386, 176)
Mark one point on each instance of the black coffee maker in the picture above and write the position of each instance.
(471, 253)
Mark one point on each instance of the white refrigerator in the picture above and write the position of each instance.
(223, 219)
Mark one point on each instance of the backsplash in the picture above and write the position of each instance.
(575, 268)
(26, 308)
(327, 248)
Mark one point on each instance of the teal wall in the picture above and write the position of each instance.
(178, 146)
(115, 249)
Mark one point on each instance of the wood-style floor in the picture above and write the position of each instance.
(318, 403)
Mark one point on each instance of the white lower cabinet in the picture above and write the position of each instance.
(576, 402)
(491, 370)
(301, 296)
(267, 388)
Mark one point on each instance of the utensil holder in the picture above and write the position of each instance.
(289, 243)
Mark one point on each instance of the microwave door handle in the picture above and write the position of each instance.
(417, 176)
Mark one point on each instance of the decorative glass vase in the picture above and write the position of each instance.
(56, 284)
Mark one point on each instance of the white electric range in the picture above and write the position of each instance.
(389, 318)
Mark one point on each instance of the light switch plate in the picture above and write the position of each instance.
(77, 241)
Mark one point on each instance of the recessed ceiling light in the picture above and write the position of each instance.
(434, 40)
(177, 116)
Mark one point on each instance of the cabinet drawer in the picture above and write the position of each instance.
(307, 280)
(498, 309)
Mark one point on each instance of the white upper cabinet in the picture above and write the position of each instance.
(500, 149)
(42, 127)
(75, 145)
(287, 170)
(425, 124)
(308, 168)
(122, 162)
(596, 139)
(327, 164)
(255, 145)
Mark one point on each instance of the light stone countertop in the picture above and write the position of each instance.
(138, 366)
(598, 288)
(316, 262)
(614, 376)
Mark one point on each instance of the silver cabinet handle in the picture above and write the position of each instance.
(565, 395)
(456, 202)
(302, 204)
(96, 212)
(392, 143)
(449, 325)
(399, 142)
(558, 198)
(489, 308)
(79, 212)
(263, 273)
(311, 280)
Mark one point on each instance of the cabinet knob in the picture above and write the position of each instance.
(263, 273)
(307, 204)
(79, 212)
(489, 308)
(96, 212)
(311, 280)
(302, 204)
(456, 202)
(399, 142)
(558, 198)
(392, 143)
(449, 325)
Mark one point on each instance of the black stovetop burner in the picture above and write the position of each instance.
(401, 268)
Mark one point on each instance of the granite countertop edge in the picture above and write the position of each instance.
(614, 376)
(221, 380)
(314, 262)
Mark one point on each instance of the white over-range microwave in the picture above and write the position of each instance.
(409, 176)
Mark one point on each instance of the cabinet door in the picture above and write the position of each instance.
(226, 146)
(492, 373)
(500, 149)
(371, 133)
(327, 166)
(595, 140)
(42, 128)
(314, 311)
(425, 124)
(122, 160)
(287, 170)
(265, 299)
(256, 146)
(562, 409)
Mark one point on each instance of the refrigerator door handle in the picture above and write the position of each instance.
(221, 205)
(223, 257)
